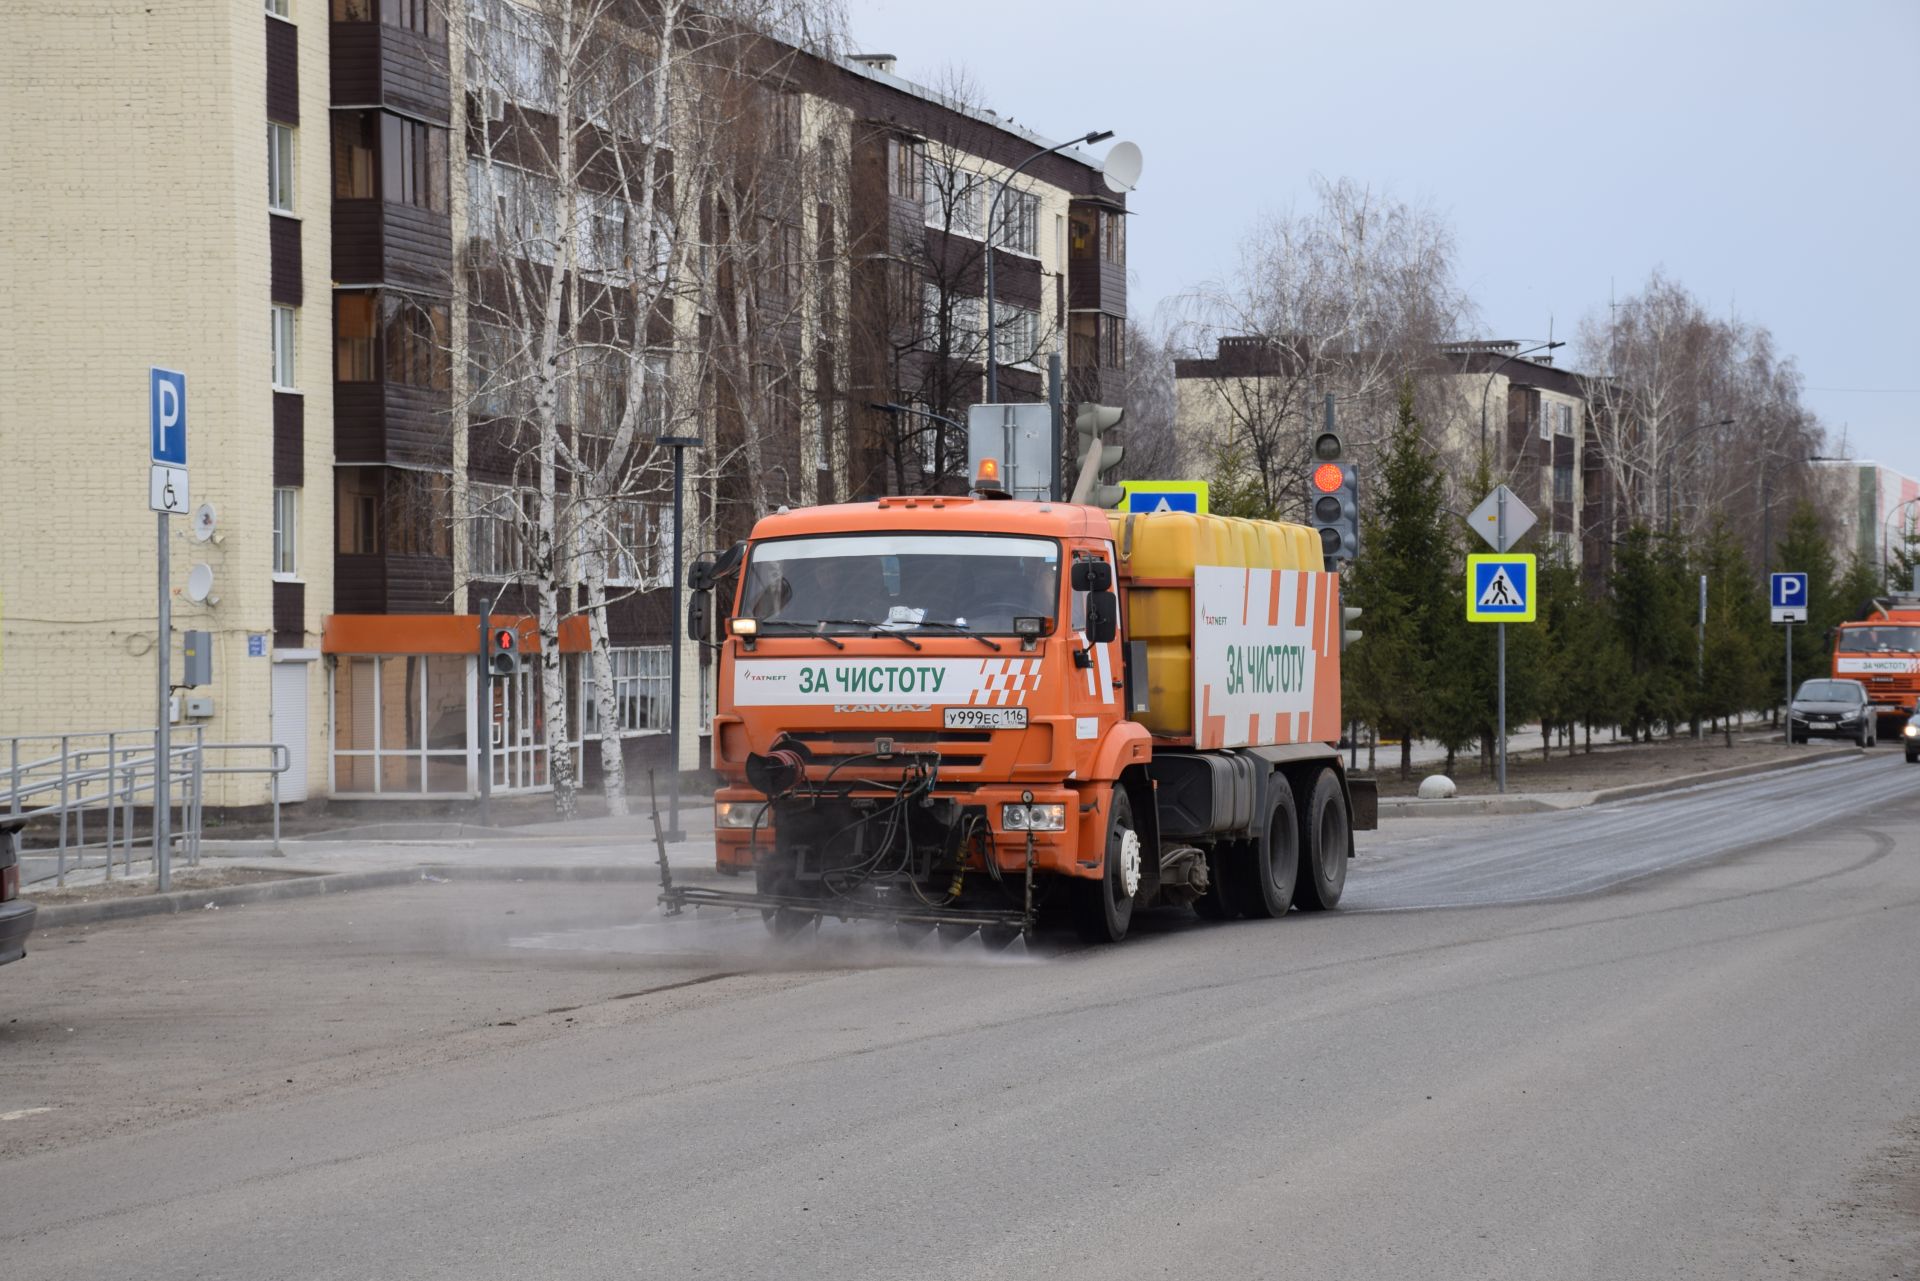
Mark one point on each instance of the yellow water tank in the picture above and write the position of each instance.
(1158, 551)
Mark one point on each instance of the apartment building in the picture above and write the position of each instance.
(345, 348)
(1875, 510)
(167, 204)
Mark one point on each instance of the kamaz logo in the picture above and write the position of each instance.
(1214, 620)
(862, 709)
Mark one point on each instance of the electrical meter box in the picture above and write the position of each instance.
(196, 659)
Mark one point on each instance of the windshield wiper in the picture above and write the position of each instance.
(811, 629)
(961, 629)
(873, 629)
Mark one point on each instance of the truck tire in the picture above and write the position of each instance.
(1262, 883)
(1103, 909)
(1326, 830)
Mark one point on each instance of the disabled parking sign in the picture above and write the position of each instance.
(1500, 588)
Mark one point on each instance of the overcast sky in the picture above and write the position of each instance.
(1767, 155)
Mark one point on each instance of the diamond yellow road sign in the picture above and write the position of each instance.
(1501, 588)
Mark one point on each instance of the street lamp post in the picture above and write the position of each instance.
(679, 445)
(1886, 539)
(1495, 373)
(993, 210)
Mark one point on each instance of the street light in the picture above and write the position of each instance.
(1673, 449)
(1488, 390)
(993, 209)
(1886, 541)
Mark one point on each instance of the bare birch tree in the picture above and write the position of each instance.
(1348, 297)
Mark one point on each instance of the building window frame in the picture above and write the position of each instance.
(281, 9)
(281, 168)
(286, 534)
(642, 691)
(283, 339)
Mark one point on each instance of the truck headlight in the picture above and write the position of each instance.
(1912, 730)
(741, 814)
(1033, 818)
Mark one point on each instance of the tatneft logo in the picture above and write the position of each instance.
(770, 677)
(1213, 620)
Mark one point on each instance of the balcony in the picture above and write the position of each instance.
(392, 584)
(391, 423)
(380, 63)
(374, 240)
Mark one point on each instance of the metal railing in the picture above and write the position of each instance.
(59, 780)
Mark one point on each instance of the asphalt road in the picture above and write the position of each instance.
(1704, 1065)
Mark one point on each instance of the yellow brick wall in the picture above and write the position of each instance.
(134, 232)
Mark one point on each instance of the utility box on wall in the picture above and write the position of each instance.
(196, 654)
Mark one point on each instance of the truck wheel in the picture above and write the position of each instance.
(1223, 863)
(1103, 909)
(1263, 886)
(782, 922)
(1325, 832)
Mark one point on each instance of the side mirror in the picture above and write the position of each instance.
(1103, 616)
(1092, 576)
(700, 616)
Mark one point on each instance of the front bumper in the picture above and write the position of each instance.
(16, 922)
(1828, 729)
(738, 849)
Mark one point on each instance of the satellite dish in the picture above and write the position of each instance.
(205, 519)
(200, 582)
(1121, 168)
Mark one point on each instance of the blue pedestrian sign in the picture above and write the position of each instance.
(1500, 588)
(1789, 597)
(167, 416)
(1165, 496)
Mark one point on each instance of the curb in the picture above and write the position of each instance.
(1493, 806)
(53, 916)
(1633, 790)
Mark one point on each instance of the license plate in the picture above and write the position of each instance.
(984, 717)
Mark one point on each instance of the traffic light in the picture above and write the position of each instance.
(1333, 498)
(503, 652)
(1348, 632)
(1091, 423)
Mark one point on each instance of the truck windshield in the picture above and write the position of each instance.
(1879, 640)
(903, 581)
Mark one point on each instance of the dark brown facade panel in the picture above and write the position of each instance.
(378, 242)
(289, 438)
(392, 584)
(376, 65)
(376, 423)
(289, 615)
(285, 277)
(1016, 279)
(1097, 285)
(283, 72)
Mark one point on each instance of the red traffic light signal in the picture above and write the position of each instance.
(1328, 477)
(505, 640)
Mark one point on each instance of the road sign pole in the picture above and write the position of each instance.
(1500, 538)
(484, 718)
(1786, 708)
(162, 738)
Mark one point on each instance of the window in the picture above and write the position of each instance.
(418, 16)
(356, 500)
(415, 343)
(903, 174)
(1019, 229)
(1113, 237)
(1563, 481)
(353, 155)
(416, 514)
(1016, 333)
(286, 533)
(953, 199)
(353, 10)
(280, 8)
(413, 163)
(964, 326)
(512, 54)
(354, 334)
(400, 724)
(1563, 422)
(642, 691)
(637, 539)
(282, 341)
(280, 168)
(1546, 419)
(497, 518)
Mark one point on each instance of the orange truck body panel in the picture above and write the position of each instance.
(1891, 672)
(1281, 685)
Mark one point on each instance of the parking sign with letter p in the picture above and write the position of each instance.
(167, 416)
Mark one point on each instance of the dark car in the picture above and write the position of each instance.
(1831, 709)
(16, 916)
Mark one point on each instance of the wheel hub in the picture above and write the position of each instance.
(1130, 863)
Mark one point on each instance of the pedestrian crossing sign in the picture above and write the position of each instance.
(1500, 588)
